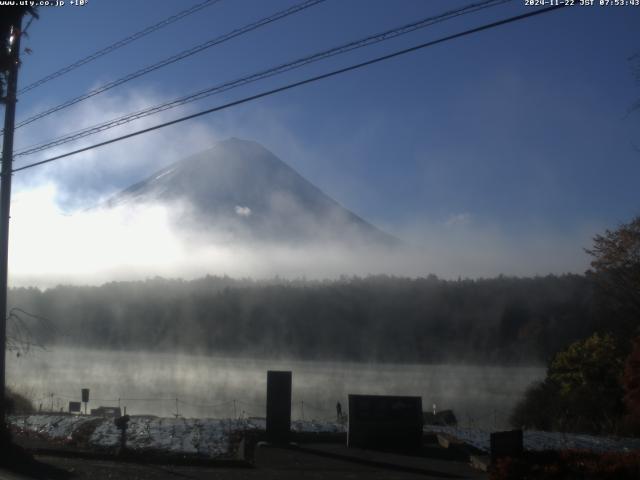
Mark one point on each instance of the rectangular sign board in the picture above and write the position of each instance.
(383, 421)
(278, 406)
(74, 407)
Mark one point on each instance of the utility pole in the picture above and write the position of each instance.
(5, 198)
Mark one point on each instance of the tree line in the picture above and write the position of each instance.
(593, 385)
(502, 320)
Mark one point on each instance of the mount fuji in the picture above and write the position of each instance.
(238, 191)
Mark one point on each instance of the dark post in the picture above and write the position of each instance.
(5, 199)
(85, 398)
(278, 406)
(121, 424)
(506, 444)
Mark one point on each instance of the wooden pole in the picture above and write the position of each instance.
(5, 200)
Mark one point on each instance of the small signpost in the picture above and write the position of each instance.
(74, 407)
(85, 398)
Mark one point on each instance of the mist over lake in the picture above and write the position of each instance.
(207, 386)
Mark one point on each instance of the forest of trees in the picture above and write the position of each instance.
(379, 318)
(593, 385)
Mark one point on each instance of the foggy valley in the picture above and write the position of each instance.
(309, 281)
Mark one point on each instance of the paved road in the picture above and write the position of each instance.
(320, 461)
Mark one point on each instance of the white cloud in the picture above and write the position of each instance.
(243, 211)
(85, 179)
(48, 246)
(92, 247)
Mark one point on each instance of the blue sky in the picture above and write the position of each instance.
(522, 130)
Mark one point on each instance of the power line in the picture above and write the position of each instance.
(25, 30)
(298, 63)
(298, 84)
(119, 44)
(175, 58)
(217, 405)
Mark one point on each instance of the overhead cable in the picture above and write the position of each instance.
(119, 44)
(300, 62)
(175, 58)
(297, 84)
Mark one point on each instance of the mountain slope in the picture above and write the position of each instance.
(239, 191)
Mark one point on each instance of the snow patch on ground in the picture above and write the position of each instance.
(58, 427)
(314, 426)
(207, 437)
(216, 437)
(535, 440)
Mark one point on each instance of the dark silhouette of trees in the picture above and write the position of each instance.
(594, 384)
(631, 384)
(616, 271)
(582, 391)
(588, 375)
(381, 318)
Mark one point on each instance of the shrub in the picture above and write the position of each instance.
(539, 409)
(581, 393)
(17, 403)
(631, 384)
(568, 464)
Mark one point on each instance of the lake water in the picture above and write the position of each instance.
(207, 386)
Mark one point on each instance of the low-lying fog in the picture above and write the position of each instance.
(149, 383)
(55, 238)
(129, 242)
